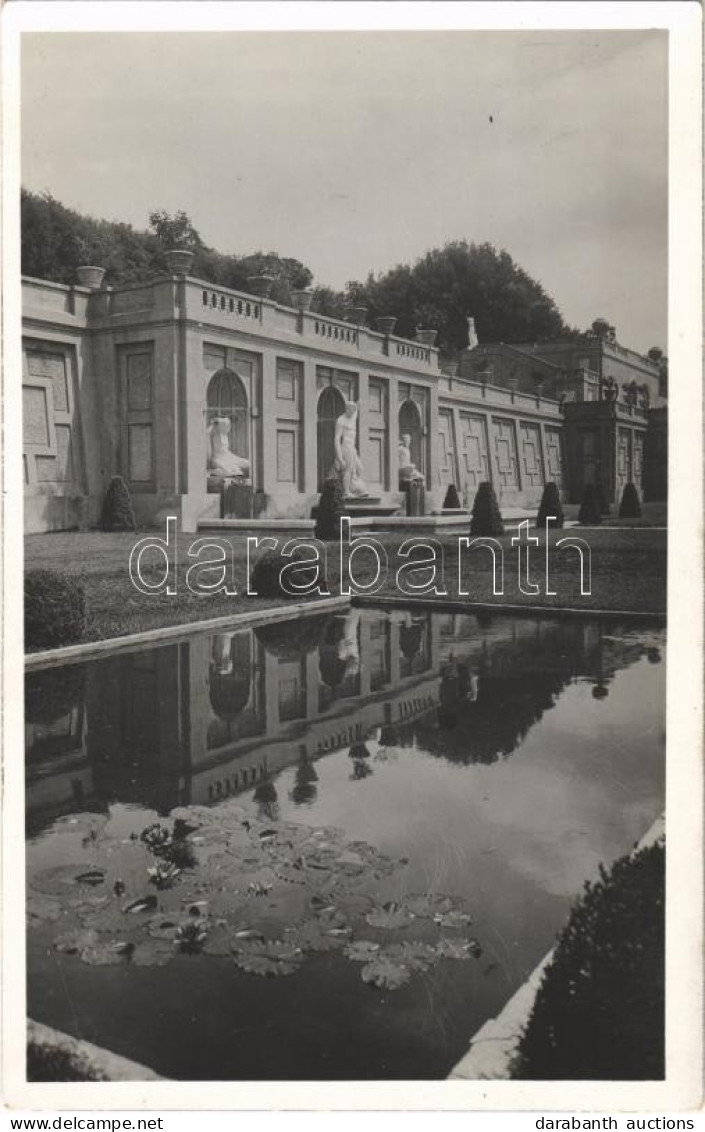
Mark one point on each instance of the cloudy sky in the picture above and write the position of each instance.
(354, 151)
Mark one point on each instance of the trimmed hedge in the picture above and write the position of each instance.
(117, 513)
(590, 513)
(331, 506)
(452, 499)
(599, 1012)
(486, 516)
(53, 692)
(550, 505)
(54, 609)
(630, 507)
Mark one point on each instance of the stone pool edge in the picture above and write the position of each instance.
(86, 650)
(90, 1062)
(494, 1046)
(454, 605)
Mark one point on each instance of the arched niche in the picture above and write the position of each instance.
(331, 404)
(227, 397)
(411, 424)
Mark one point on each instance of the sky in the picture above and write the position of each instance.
(355, 151)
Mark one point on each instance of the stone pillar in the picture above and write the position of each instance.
(192, 409)
(269, 423)
(363, 422)
(309, 427)
(432, 478)
(393, 433)
(544, 455)
(364, 643)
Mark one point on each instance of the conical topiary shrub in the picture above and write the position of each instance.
(590, 513)
(486, 516)
(452, 499)
(117, 513)
(550, 505)
(630, 507)
(331, 506)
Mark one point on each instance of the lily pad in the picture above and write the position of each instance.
(145, 903)
(415, 956)
(453, 919)
(362, 950)
(457, 949)
(153, 953)
(390, 917)
(313, 935)
(267, 959)
(59, 879)
(386, 974)
(429, 904)
(41, 907)
(107, 954)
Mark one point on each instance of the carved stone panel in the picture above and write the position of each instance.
(473, 452)
(531, 458)
(505, 452)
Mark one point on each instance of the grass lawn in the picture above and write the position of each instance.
(628, 572)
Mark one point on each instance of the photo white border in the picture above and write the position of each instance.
(682, 1089)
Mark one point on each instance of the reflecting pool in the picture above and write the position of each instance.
(329, 848)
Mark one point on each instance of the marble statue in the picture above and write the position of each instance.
(221, 461)
(347, 460)
(407, 468)
(472, 334)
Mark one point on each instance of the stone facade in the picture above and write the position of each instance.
(127, 381)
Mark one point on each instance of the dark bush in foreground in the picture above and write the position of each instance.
(266, 573)
(486, 516)
(599, 1011)
(550, 505)
(452, 499)
(52, 693)
(54, 609)
(330, 508)
(117, 513)
(590, 513)
(630, 507)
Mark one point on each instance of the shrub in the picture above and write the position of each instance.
(117, 513)
(486, 517)
(53, 692)
(590, 513)
(550, 505)
(452, 500)
(54, 609)
(330, 508)
(599, 1011)
(265, 574)
(630, 507)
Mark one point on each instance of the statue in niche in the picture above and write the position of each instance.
(221, 461)
(348, 464)
(407, 469)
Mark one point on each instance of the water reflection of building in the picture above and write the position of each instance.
(213, 715)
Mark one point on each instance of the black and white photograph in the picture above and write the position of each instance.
(346, 580)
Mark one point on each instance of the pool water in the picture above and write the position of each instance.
(373, 825)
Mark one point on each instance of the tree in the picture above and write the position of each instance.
(175, 231)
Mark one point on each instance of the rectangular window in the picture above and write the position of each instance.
(139, 441)
(288, 380)
(286, 455)
(42, 363)
(35, 416)
(213, 357)
(137, 378)
(139, 381)
(376, 397)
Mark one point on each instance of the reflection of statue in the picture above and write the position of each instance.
(407, 468)
(472, 334)
(222, 662)
(347, 461)
(221, 461)
(348, 648)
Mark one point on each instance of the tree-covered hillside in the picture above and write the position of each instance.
(440, 290)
